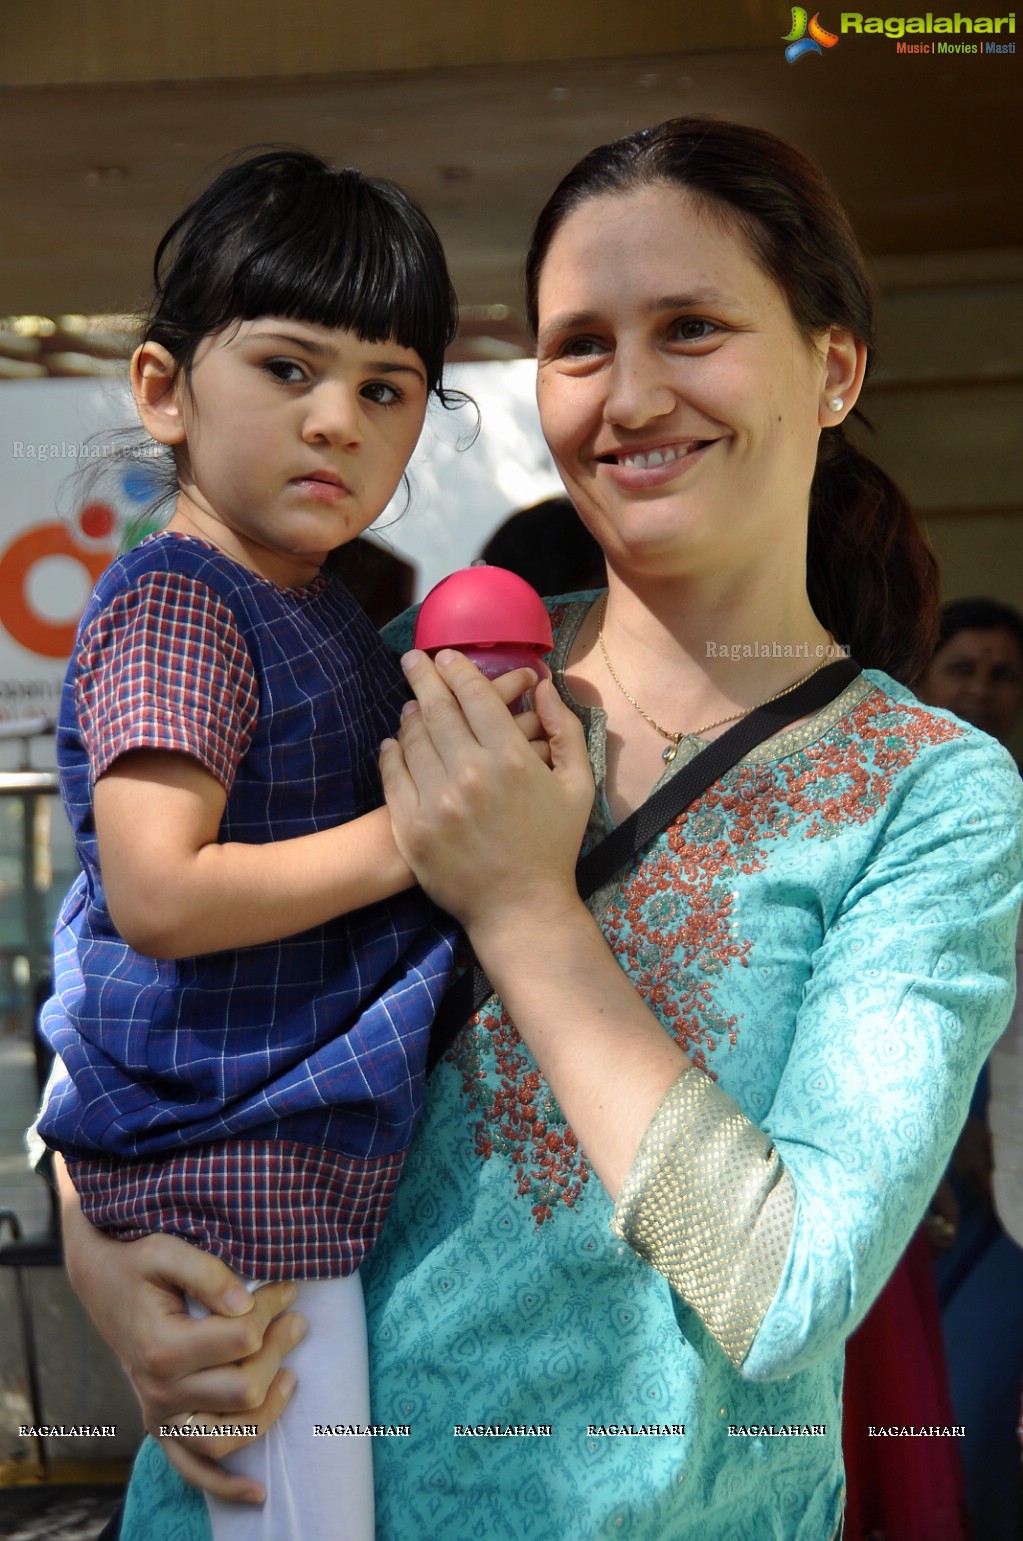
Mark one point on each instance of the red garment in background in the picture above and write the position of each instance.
(907, 1489)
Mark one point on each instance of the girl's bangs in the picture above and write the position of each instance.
(350, 263)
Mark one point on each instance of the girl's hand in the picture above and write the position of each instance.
(225, 1368)
(509, 687)
(484, 825)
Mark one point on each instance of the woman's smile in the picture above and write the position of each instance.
(678, 396)
(654, 467)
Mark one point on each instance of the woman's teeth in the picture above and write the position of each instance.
(654, 457)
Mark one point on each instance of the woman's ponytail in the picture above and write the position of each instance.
(872, 577)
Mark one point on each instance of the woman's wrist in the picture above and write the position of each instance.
(533, 924)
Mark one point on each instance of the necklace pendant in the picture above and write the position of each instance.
(670, 753)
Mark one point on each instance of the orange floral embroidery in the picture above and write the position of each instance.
(521, 1120)
(670, 925)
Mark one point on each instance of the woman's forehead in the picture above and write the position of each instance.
(652, 243)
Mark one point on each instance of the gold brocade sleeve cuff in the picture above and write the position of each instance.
(708, 1203)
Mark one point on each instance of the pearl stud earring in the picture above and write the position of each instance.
(836, 403)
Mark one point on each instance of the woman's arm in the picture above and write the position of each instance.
(228, 1363)
(1005, 1113)
(494, 835)
(910, 988)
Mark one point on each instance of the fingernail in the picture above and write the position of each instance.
(237, 1301)
(299, 1328)
(409, 708)
(290, 1294)
(409, 660)
(444, 656)
(287, 1383)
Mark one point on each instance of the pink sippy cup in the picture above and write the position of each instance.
(492, 616)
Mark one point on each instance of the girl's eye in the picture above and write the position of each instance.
(383, 394)
(286, 370)
(693, 329)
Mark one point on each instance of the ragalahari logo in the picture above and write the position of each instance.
(806, 37)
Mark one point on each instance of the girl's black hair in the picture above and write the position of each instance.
(284, 234)
(871, 575)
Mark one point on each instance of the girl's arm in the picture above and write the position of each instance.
(227, 1365)
(173, 890)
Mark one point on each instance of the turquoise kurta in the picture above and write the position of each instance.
(829, 934)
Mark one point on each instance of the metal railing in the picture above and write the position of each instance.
(36, 865)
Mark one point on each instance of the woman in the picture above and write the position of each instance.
(749, 1057)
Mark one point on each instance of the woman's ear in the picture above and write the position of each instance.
(156, 384)
(845, 361)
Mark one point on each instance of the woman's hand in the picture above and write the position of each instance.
(493, 835)
(226, 1366)
(485, 826)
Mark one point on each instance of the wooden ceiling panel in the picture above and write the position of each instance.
(918, 149)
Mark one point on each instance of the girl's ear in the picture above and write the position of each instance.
(845, 365)
(156, 384)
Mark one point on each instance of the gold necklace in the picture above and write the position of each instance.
(676, 738)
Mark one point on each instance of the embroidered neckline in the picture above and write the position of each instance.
(777, 748)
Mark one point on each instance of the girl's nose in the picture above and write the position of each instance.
(638, 391)
(333, 416)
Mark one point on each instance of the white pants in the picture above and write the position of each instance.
(318, 1488)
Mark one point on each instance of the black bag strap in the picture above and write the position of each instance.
(467, 994)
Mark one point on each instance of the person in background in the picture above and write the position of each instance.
(977, 668)
(549, 546)
(381, 582)
(977, 673)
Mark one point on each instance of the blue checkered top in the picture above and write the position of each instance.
(318, 1039)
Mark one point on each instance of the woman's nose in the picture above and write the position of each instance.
(638, 391)
(333, 416)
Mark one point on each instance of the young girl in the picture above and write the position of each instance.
(241, 1004)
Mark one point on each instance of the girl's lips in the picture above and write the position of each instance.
(652, 467)
(322, 489)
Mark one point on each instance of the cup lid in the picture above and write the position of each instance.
(483, 604)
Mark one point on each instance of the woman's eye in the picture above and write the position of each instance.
(582, 348)
(286, 370)
(384, 395)
(694, 329)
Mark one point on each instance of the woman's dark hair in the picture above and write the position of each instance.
(871, 576)
(284, 234)
(979, 614)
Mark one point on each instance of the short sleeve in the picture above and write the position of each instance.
(165, 667)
